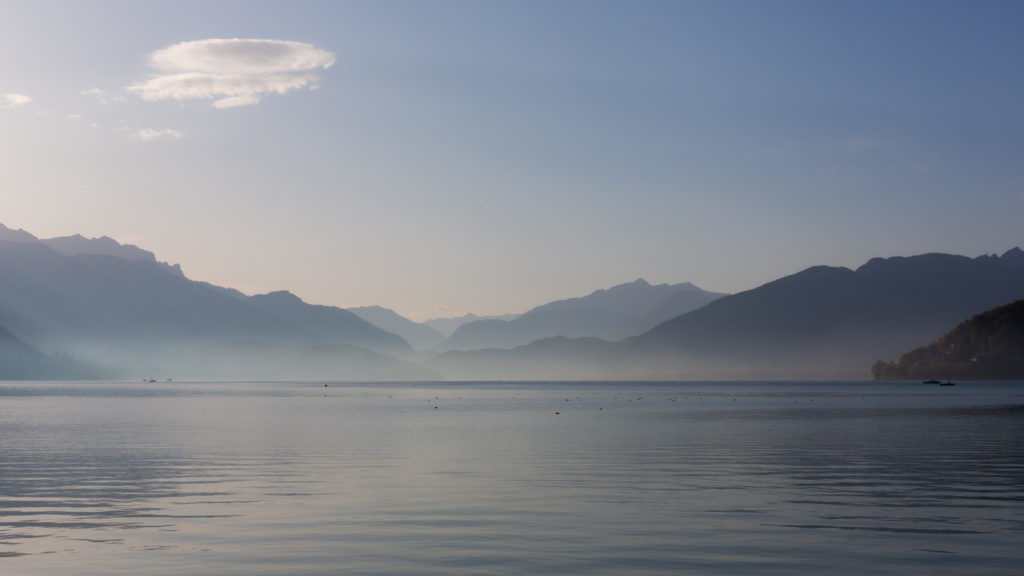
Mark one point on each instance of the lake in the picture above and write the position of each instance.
(511, 478)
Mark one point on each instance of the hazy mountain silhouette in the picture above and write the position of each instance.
(327, 324)
(143, 315)
(611, 314)
(823, 322)
(556, 358)
(9, 235)
(419, 336)
(78, 244)
(19, 361)
(447, 326)
(989, 346)
(71, 306)
(828, 321)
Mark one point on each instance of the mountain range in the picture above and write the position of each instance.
(84, 308)
(448, 326)
(837, 321)
(116, 307)
(419, 336)
(78, 244)
(610, 314)
(823, 322)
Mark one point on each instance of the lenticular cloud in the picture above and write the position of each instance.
(232, 72)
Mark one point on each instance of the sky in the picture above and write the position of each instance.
(443, 157)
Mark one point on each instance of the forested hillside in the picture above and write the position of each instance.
(989, 346)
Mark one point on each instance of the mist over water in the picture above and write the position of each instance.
(299, 478)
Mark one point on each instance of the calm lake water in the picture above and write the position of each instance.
(687, 478)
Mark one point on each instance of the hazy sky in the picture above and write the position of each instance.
(491, 156)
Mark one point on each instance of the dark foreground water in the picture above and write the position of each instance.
(298, 478)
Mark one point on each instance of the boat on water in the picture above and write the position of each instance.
(932, 382)
(947, 383)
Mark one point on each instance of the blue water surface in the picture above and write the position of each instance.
(511, 478)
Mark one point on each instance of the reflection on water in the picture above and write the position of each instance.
(244, 478)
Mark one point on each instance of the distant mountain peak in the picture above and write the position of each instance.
(105, 245)
(77, 244)
(281, 296)
(637, 284)
(609, 313)
(419, 336)
(9, 235)
(1013, 257)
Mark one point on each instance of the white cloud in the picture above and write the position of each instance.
(150, 134)
(13, 100)
(241, 56)
(236, 101)
(232, 72)
(198, 86)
